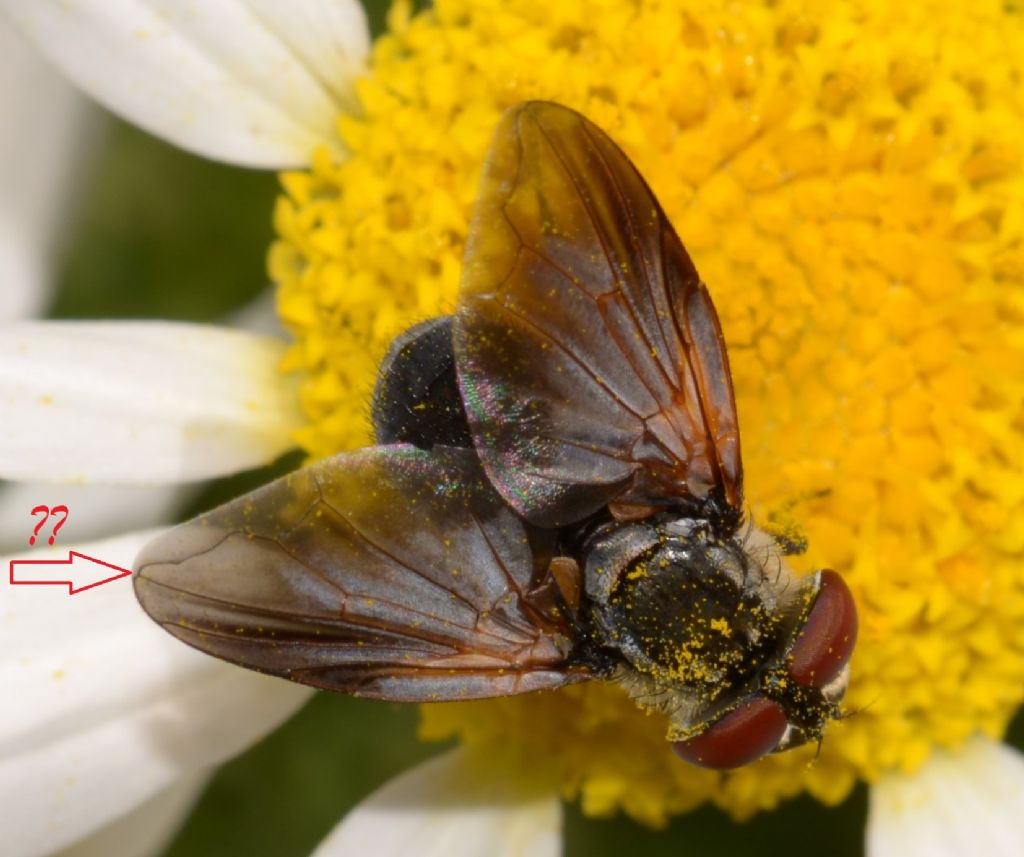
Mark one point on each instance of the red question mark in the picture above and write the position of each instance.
(54, 511)
(46, 514)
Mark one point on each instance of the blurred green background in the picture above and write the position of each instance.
(161, 234)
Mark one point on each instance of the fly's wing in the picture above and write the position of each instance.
(392, 573)
(590, 357)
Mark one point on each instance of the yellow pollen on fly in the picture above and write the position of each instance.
(848, 179)
(721, 626)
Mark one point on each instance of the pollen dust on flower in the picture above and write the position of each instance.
(848, 179)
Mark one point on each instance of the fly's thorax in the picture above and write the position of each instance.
(697, 617)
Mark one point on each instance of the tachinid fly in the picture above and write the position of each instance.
(556, 495)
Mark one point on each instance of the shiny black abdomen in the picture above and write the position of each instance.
(416, 398)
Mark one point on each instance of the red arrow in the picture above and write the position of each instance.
(84, 572)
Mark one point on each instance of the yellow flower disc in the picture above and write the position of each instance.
(848, 178)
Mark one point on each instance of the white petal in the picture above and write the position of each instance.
(102, 710)
(147, 830)
(94, 511)
(46, 135)
(966, 804)
(139, 402)
(253, 82)
(24, 272)
(449, 807)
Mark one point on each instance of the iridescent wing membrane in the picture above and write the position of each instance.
(391, 573)
(590, 357)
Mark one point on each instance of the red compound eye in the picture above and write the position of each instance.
(826, 641)
(741, 736)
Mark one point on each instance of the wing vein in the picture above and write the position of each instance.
(648, 284)
(627, 212)
(344, 620)
(591, 215)
(622, 455)
(400, 563)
